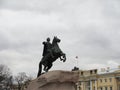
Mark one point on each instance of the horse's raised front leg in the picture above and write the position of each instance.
(63, 57)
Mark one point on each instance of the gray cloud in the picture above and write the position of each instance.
(88, 29)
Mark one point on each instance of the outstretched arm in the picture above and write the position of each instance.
(44, 43)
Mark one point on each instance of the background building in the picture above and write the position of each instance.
(94, 80)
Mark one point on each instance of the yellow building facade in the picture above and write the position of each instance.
(91, 80)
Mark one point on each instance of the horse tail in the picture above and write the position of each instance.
(40, 69)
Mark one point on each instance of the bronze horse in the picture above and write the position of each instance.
(47, 60)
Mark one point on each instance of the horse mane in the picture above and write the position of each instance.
(53, 40)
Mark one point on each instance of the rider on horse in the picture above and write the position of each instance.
(47, 48)
(51, 53)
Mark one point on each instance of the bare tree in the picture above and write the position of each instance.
(20, 79)
(5, 76)
(4, 70)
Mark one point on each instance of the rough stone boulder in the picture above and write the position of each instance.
(55, 80)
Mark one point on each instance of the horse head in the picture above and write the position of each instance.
(55, 40)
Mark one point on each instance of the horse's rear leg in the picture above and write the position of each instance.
(40, 69)
(45, 68)
(49, 66)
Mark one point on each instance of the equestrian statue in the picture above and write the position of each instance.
(51, 53)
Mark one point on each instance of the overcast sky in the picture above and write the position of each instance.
(89, 29)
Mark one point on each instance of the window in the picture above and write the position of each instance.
(110, 79)
(105, 88)
(100, 80)
(110, 88)
(80, 88)
(81, 73)
(89, 88)
(90, 71)
(96, 71)
(105, 80)
(101, 88)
